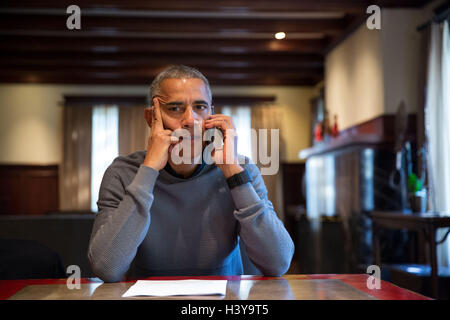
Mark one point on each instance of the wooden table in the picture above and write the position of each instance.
(288, 287)
(428, 223)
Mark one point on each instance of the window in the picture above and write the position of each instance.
(105, 145)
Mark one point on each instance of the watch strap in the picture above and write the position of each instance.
(239, 179)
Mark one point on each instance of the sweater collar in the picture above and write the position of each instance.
(172, 172)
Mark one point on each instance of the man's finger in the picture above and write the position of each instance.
(222, 124)
(226, 119)
(157, 114)
(220, 117)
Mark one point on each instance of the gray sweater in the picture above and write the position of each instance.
(153, 223)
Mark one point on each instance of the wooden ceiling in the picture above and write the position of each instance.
(129, 42)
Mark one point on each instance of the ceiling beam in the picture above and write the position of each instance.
(153, 71)
(75, 44)
(77, 78)
(353, 6)
(44, 59)
(177, 14)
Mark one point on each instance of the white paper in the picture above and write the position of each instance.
(189, 287)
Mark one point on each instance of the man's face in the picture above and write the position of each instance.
(185, 104)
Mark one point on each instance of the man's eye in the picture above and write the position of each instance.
(174, 109)
(201, 107)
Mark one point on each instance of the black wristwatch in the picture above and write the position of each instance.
(239, 179)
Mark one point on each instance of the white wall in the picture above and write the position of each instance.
(401, 52)
(372, 71)
(30, 125)
(354, 78)
(31, 117)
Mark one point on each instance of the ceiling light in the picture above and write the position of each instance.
(280, 35)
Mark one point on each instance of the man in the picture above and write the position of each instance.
(158, 216)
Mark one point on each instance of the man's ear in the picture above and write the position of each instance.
(148, 115)
(212, 109)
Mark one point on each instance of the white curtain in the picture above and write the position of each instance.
(437, 117)
(105, 145)
(242, 121)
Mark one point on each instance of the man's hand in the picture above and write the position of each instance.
(226, 159)
(159, 140)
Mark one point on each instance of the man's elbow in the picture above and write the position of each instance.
(104, 273)
(287, 259)
(278, 270)
(281, 266)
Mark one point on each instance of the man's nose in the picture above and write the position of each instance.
(190, 118)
